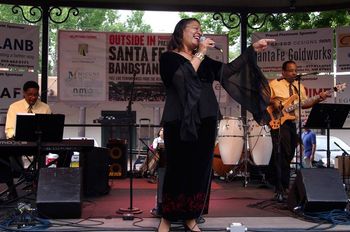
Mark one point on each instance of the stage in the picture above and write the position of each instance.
(236, 199)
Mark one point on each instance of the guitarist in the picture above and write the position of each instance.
(284, 136)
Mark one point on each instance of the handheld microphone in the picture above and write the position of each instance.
(202, 38)
(299, 75)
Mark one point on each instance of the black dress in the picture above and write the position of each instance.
(190, 123)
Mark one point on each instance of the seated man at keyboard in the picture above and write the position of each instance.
(29, 104)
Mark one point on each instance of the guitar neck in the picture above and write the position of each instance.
(305, 102)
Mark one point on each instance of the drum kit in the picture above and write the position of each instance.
(239, 144)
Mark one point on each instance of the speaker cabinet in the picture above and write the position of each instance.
(59, 193)
(117, 158)
(95, 171)
(317, 189)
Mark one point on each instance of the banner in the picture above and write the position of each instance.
(82, 66)
(344, 96)
(11, 87)
(311, 49)
(314, 85)
(19, 47)
(135, 57)
(128, 62)
(343, 49)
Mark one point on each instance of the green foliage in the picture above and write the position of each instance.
(88, 19)
(134, 22)
(270, 22)
(110, 20)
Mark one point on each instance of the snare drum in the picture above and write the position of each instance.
(260, 143)
(230, 138)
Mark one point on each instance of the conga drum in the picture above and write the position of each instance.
(218, 167)
(260, 143)
(230, 138)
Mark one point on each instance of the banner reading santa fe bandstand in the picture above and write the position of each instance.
(134, 57)
(311, 49)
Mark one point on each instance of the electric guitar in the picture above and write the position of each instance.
(278, 117)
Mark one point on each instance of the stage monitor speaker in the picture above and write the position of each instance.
(95, 171)
(59, 193)
(317, 189)
(117, 158)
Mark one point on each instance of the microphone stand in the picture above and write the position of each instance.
(298, 78)
(128, 213)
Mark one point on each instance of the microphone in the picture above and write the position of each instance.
(202, 38)
(299, 75)
(307, 74)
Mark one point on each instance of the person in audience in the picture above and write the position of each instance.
(309, 145)
(158, 140)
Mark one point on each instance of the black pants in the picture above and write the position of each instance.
(284, 142)
(5, 170)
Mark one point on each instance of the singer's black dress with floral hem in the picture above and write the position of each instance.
(190, 122)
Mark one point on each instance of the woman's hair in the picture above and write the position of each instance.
(158, 134)
(177, 36)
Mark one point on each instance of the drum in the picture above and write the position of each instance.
(230, 138)
(218, 167)
(260, 143)
(343, 166)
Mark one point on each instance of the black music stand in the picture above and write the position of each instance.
(327, 116)
(39, 128)
(46, 127)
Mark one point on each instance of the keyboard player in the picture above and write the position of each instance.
(29, 104)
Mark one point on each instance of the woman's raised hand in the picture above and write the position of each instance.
(262, 44)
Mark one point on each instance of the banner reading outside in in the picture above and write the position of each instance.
(135, 57)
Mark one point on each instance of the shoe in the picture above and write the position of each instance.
(192, 228)
(279, 197)
(164, 225)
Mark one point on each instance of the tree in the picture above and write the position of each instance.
(274, 22)
(88, 19)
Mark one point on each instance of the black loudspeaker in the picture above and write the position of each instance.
(59, 193)
(317, 189)
(95, 165)
(117, 158)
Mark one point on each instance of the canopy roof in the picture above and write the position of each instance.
(254, 6)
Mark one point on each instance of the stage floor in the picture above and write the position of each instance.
(234, 200)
